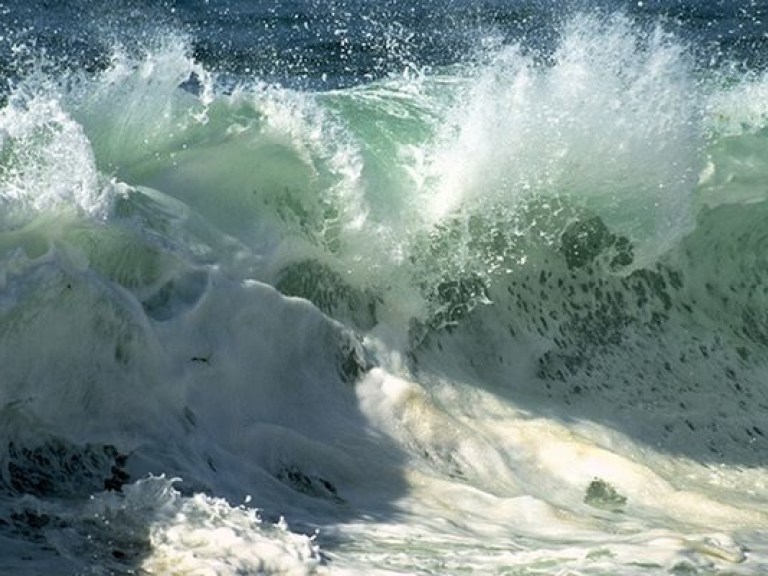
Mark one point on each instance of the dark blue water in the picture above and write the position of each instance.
(323, 45)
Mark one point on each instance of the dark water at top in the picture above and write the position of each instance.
(320, 45)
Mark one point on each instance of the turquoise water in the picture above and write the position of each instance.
(328, 289)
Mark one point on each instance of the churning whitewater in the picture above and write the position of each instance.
(375, 289)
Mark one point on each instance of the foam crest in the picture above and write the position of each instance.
(740, 108)
(151, 527)
(143, 104)
(609, 122)
(323, 145)
(188, 535)
(46, 162)
(260, 162)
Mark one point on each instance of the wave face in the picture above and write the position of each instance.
(360, 288)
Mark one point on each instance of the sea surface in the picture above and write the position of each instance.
(359, 287)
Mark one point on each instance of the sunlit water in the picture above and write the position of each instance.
(376, 289)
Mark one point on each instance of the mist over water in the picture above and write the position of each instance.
(373, 288)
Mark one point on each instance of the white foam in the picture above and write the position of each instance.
(611, 124)
(508, 490)
(739, 107)
(204, 535)
(48, 163)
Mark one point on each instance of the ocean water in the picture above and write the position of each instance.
(357, 287)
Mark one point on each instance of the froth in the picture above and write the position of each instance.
(47, 163)
(141, 106)
(740, 108)
(608, 121)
